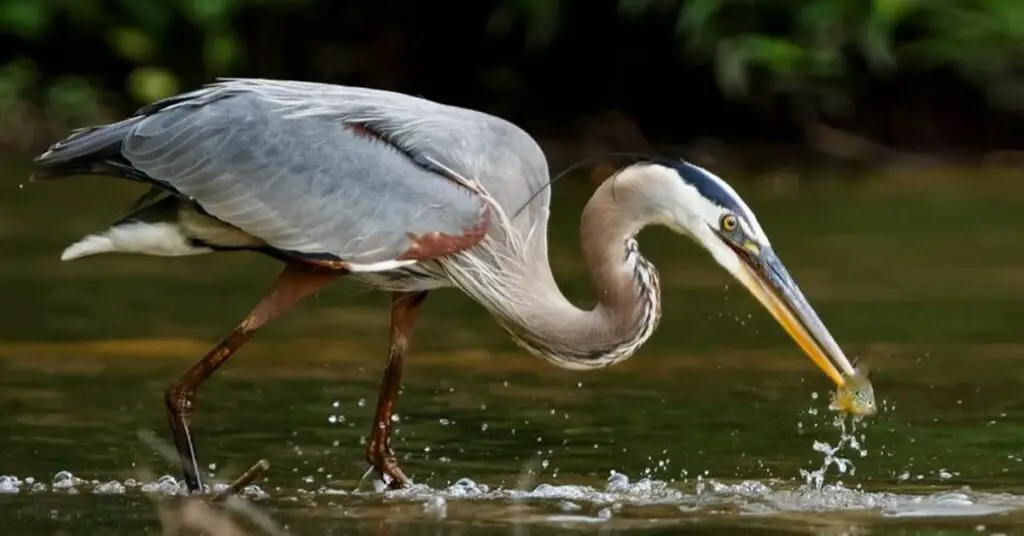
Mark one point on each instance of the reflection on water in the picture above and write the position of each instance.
(717, 425)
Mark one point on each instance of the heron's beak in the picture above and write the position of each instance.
(768, 280)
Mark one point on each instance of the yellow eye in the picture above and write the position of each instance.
(728, 223)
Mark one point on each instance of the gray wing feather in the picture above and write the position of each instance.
(498, 154)
(280, 161)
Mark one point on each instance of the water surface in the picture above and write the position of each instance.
(717, 426)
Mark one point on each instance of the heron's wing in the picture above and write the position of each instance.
(321, 171)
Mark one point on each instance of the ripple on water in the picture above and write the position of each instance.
(710, 497)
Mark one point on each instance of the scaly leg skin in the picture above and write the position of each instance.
(405, 310)
(296, 282)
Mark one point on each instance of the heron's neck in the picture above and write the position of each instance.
(628, 295)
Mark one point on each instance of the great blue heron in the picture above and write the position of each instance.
(408, 195)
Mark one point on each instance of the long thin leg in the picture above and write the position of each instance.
(405, 310)
(296, 282)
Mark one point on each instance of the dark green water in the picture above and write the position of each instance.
(921, 274)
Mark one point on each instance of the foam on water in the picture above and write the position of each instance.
(67, 483)
(708, 497)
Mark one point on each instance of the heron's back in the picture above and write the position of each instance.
(323, 171)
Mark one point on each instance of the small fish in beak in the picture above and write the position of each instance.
(856, 396)
(769, 281)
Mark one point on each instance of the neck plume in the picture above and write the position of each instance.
(533, 310)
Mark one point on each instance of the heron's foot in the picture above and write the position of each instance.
(389, 474)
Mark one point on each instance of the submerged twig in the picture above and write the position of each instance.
(248, 477)
(198, 514)
(257, 470)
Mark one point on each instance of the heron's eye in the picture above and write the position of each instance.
(728, 223)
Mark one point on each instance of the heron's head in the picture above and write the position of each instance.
(694, 202)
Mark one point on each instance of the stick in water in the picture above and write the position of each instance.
(254, 472)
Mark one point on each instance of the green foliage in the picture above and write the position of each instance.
(79, 99)
(25, 18)
(542, 17)
(809, 50)
(805, 48)
(984, 39)
(148, 84)
(135, 31)
(15, 78)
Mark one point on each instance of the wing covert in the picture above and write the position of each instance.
(307, 184)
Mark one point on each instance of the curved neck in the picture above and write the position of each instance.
(628, 294)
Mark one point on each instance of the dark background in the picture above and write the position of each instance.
(858, 81)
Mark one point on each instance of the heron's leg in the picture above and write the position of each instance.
(296, 282)
(405, 309)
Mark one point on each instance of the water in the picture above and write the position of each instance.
(718, 425)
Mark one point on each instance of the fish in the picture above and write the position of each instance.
(856, 396)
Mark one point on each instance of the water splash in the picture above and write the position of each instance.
(848, 439)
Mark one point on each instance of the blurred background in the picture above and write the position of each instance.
(879, 142)
(863, 80)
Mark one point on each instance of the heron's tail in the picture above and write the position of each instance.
(165, 225)
(89, 151)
